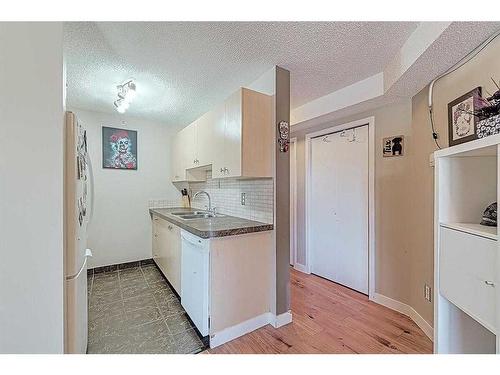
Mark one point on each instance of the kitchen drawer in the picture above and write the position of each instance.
(467, 265)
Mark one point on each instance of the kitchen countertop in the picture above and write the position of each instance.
(211, 227)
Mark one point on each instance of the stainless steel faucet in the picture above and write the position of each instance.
(208, 196)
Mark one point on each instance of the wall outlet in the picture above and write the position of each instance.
(428, 293)
(243, 198)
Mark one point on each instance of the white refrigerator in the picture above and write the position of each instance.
(78, 204)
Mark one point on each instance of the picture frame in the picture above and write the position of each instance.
(393, 146)
(462, 123)
(119, 148)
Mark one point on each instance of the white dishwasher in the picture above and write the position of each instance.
(195, 279)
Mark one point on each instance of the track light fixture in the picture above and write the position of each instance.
(126, 93)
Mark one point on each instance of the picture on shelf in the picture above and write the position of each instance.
(461, 119)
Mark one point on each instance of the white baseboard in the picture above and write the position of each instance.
(407, 310)
(248, 326)
(301, 268)
(281, 320)
(240, 329)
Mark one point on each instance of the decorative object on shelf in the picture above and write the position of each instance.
(393, 146)
(490, 215)
(462, 118)
(489, 126)
(284, 138)
(119, 148)
(489, 106)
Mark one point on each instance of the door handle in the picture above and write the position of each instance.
(489, 283)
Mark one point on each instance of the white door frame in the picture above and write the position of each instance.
(293, 200)
(370, 121)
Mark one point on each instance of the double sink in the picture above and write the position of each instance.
(191, 215)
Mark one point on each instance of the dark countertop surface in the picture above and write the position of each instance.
(211, 227)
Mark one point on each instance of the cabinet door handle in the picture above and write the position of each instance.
(170, 227)
(489, 283)
(222, 170)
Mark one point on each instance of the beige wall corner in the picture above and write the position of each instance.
(282, 189)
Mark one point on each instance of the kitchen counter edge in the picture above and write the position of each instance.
(215, 233)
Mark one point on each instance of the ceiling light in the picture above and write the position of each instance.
(126, 93)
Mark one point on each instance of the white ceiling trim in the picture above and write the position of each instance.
(424, 55)
(418, 42)
(358, 92)
(377, 85)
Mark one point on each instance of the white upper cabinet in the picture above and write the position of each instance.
(232, 135)
(235, 139)
(217, 141)
(204, 150)
(188, 145)
(178, 164)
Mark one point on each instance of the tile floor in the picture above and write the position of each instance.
(133, 310)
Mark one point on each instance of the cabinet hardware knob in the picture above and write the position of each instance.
(222, 170)
(489, 283)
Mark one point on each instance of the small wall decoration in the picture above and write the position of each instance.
(393, 146)
(461, 118)
(284, 138)
(119, 148)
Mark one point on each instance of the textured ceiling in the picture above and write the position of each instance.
(183, 69)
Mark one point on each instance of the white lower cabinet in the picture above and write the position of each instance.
(167, 251)
(467, 277)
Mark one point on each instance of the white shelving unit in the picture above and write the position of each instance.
(466, 254)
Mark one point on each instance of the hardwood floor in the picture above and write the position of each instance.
(330, 318)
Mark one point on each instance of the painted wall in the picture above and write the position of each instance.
(31, 188)
(475, 73)
(391, 198)
(120, 230)
(404, 187)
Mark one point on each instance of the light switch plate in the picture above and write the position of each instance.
(243, 198)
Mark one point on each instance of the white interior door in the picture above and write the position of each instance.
(339, 207)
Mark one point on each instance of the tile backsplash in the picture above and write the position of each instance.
(226, 196)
